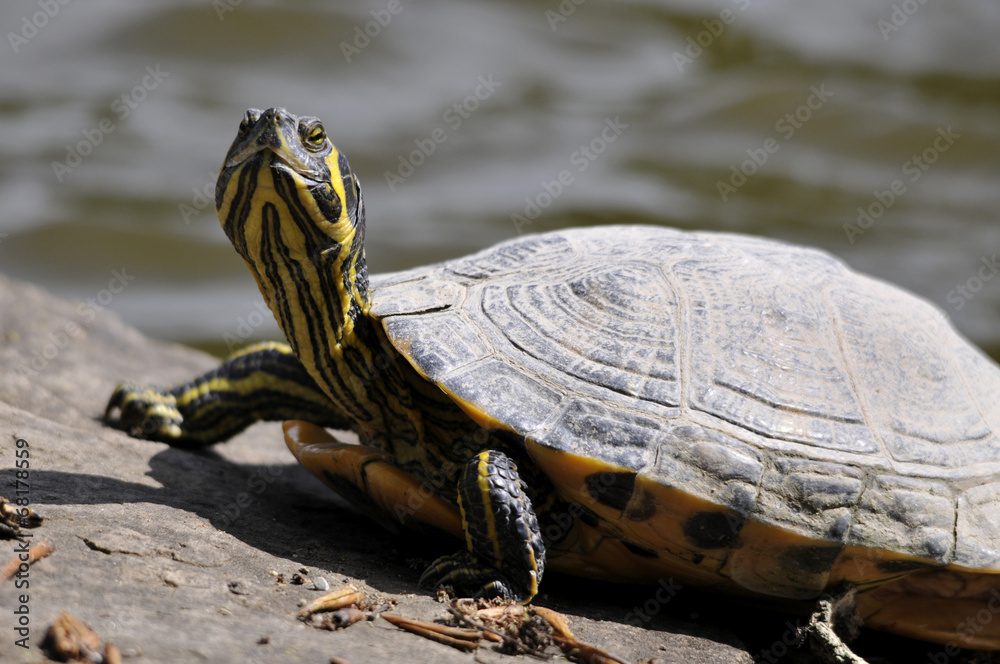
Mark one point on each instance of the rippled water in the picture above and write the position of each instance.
(825, 105)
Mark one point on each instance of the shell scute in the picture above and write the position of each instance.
(421, 337)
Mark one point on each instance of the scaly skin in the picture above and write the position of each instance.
(290, 204)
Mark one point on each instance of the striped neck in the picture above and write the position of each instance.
(293, 209)
(308, 259)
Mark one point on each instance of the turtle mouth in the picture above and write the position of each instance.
(260, 156)
(257, 155)
(279, 163)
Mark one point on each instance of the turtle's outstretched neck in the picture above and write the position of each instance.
(298, 222)
(297, 219)
(293, 210)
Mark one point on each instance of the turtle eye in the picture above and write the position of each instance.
(315, 136)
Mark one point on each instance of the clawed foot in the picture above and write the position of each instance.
(470, 578)
(145, 411)
(508, 557)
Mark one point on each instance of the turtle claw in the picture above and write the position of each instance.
(145, 411)
(470, 578)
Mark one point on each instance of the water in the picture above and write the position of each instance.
(869, 85)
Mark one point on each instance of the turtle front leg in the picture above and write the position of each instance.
(261, 382)
(505, 555)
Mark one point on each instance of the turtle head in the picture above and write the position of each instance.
(290, 204)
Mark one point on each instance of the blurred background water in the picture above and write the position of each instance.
(773, 117)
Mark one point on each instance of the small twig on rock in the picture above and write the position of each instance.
(824, 642)
(456, 637)
(35, 553)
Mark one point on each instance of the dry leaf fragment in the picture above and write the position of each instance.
(336, 599)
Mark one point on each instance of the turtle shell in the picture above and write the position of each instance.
(755, 412)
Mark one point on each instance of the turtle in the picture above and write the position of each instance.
(628, 403)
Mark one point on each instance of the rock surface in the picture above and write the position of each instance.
(176, 553)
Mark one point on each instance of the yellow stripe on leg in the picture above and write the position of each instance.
(483, 482)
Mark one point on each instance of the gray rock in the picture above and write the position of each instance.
(178, 552)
